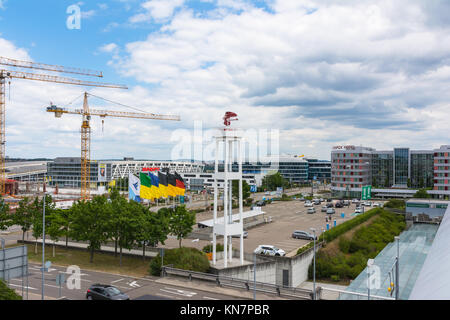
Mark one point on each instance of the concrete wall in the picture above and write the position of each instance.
(270, 269)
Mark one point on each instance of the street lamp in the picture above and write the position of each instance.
(314, 264)
(43, 246)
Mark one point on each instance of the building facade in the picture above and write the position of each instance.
(66, 171)
(353, 167)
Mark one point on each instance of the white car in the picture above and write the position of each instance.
(359, 210)
(269, 250)
(311, 210)
(355, 200)
(308, 204)
(376, 205)
(368, 204)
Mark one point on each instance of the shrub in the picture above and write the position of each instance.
(335, 277)
(395, 204)
(365, 244)
(335, 232)
(7, 293)
(208, 248)
(344, 244)
(181, 258)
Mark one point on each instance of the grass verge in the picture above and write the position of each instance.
(104, 262)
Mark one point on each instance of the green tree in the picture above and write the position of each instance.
(36, 210)
(273, 181)
(181, 222)
(154, 227)
(408, 183)
(422, 194)
(5, 217)
(89, 223)
(22, 217)
(56, 227)
(130, 219)
(245, 189)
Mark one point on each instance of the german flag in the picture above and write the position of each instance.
(181, 188)
(172, 184)
(163, 185)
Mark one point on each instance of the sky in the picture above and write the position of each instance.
(321, 72)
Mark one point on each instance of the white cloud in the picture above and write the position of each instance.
(109, 48)
(356, 68)
(158, 10)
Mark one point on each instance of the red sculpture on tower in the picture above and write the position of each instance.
(229, 116)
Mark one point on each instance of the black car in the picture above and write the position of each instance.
(329, 200)
(105, 292)
(339, 205)
(330, 205)
(261, 203)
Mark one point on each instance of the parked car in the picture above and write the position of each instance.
(329, 200)
(261, 203)
(311, 210)
(346, 203)
(330, 205)
(269, 250)
(359, 210)
(367, 204)
(237, 236)
(302, 199)
(339, 205)
(297, 234)
(105, 292)
(355, 200)
(308, 204)
(375, 205)
(324, 209)
(316, 202)
(331, 211)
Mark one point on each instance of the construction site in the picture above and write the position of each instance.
(20, 178)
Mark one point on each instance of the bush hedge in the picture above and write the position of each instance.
(208, 248)
(395, 204)
(7, 293)
(340, 229)
(181, 258)
(366, 243)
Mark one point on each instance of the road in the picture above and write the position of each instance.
(136, 288)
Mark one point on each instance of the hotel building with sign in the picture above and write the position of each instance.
(397, 172)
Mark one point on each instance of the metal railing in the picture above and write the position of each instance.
(226, 281)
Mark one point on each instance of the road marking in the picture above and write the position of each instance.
(117, 280)
(133, 284)
(25, 287)
(210, 298)
(179, 292)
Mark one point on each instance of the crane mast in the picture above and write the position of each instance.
(86, 114)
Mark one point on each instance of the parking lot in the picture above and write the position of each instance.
(287, 216)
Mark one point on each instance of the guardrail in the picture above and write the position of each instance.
(225, 281)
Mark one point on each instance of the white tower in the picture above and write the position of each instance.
(227, 226)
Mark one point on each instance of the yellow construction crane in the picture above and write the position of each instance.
(19, 74)
(86, 113)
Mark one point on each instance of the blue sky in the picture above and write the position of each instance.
(323, 73)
